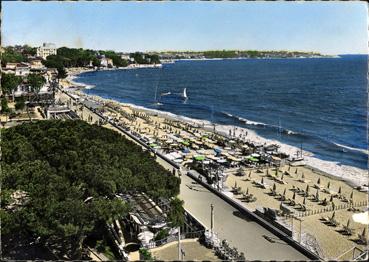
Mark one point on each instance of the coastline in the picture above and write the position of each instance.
(351, 175)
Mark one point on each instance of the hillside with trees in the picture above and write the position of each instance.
(66, 175)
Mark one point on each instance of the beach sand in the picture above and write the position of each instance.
(331, 242)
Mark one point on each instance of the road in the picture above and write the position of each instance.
(240, 232)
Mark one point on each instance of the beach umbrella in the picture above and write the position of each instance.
(307, 189)
(284, 192)
(294, 195)
(317, 194)
(352, 195)
(333, 205)
(339, 190)
(329, 185)
(262, 180)
(296, 171)
(247, 191)
(318, 182)
(235, 183)
(303, 176)
(333, 215)
(274, 187)
(304, 201)
(331, 199)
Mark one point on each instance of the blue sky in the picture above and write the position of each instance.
(330, 28)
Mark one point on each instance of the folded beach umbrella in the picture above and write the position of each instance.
(333, 215)
(329, 185)
(274, 187)
(339, 190)
(348, 223)
(294, 195)
(318, 182)
(247, 191)
(304, 201)
(296, 171)
(284, 192)
(352, 194)
(331, 199)
(262, 180)
(307, 189)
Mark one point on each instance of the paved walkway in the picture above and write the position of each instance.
(247, 236)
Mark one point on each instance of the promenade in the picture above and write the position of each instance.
(241, 232)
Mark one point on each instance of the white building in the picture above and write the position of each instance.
(46, 49)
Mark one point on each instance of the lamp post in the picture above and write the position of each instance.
(212, 220)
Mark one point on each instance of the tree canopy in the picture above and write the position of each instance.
(36, 81)
(70, 172)
(9, 82)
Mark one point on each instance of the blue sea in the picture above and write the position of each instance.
(319, 103)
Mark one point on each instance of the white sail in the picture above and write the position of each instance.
(184, 93)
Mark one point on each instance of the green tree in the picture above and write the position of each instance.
(20, 103)
(36, 81)
(176, 212)
(70, 171)
(9, 82)
(4, 105)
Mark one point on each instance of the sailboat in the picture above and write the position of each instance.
(157, 103)
(184, 95)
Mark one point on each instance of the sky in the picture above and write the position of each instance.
(325, 27)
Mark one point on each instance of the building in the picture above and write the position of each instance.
(36, 64)
(46, 49)
(106, 62)
(22, 69)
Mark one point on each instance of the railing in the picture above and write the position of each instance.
(173, 238)
(331, 208)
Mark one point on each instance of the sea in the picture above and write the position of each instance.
(319, 104)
